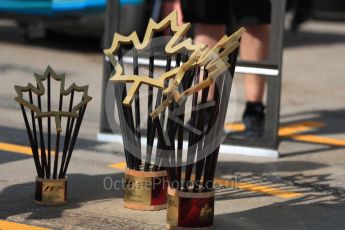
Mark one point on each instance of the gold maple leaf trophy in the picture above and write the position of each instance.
(180, 92)
(45, 140)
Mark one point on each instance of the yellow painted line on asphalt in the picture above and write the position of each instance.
(299, 127)
(318, 140)
(15, 148)
(6, 225)
(234, 127)
(241, 185)
(268, 190)
(22, 149)
(120, 165)
(292, 131)
(284, 129)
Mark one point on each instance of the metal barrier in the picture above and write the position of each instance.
(270, 69)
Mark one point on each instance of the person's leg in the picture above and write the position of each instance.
(254, 47)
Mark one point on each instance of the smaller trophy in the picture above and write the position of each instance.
(52, 152)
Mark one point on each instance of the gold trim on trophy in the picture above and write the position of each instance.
(138, 189)
(51, 191)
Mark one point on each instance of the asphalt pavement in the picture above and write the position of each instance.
(303, 189)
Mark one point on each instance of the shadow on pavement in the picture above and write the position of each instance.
(310, 151)
(323, 207)
(10, 157)
(226, 168)
(300, 213)
(18, 199)
(261, 174)
(333, 121)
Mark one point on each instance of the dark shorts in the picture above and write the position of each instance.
(243, 12)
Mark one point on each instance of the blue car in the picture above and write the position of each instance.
(78, 17)
(51, 7)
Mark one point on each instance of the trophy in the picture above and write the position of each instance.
(44, 122)
(183, 108)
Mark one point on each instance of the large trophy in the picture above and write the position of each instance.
(172, 119)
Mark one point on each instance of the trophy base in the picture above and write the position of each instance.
(50, 192)
(190, 210)
(145, 191)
